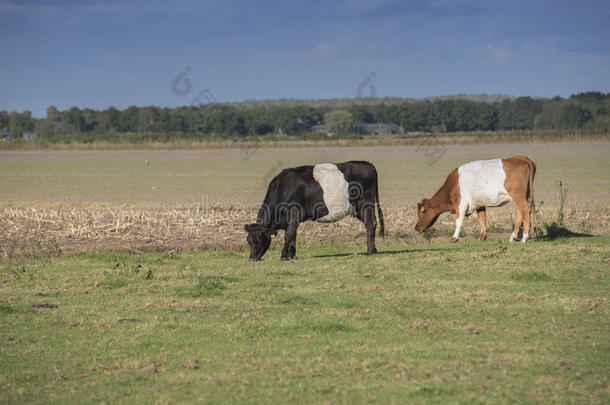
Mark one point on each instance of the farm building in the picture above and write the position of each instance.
(5, 136)
(373, 129)
(381, 128)
(30, 136)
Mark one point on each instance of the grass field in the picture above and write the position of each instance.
(124, 279)
(474, 322)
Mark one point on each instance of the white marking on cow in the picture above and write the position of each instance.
(481, 185)
(335, 191)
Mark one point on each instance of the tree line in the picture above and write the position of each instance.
(258, 118)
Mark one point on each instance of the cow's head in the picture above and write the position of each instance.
(426, 216)
(259, 240)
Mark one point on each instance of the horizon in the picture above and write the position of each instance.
(88, 55)
(478, 97)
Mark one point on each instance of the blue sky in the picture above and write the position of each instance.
(122, 53)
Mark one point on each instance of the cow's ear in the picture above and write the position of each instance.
(272, 234)
(252, 228)
(426, 203)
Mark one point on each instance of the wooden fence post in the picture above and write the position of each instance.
(560, 209)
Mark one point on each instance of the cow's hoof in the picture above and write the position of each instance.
(483, 237)
(284, 258)
(454, 240)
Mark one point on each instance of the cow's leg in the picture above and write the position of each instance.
(461, 214)
(292, 250)
(481, 216)
(290, 236)
(518, 221)
(370, 223)
(525, 216)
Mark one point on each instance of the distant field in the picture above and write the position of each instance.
(469, 323)
(234, 176)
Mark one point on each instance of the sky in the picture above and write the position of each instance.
(121, 53)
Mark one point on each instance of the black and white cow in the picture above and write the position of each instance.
(325, 192)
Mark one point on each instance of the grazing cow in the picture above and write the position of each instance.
(480, 184)
(325, 192)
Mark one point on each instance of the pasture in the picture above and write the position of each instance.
(124, 278)
(470, 322)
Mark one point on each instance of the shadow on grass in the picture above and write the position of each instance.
(386, 252)
(556, 231)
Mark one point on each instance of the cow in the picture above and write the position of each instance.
(325, 192)
(480, 184)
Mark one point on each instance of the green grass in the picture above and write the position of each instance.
(471, 322)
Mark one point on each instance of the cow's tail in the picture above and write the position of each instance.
(379, 213)
(531, 187)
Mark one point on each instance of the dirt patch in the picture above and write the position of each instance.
(44, 306)
(127, 320)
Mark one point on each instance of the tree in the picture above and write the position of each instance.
(361, 114)
(417, 116)
(550, 115)
(114, 118)
(464, 115)
(338, 122)
(129, 119)
(147, 119)
(226, 120)
(284, 119)
(19, 123)
(256, 118)
(46, 127)
(102, 121)
(257, 122)
(71, 121)
(562, 113)
(523, 112)
(88, 122)
(53, 114)
(4, 119)
(27, 121)
(15, 125)
(487, 117)
(574, 116)
(443, 109)
(504, 114)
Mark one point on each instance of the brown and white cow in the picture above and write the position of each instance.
(480, 184)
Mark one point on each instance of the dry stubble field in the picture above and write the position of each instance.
(179, 200)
